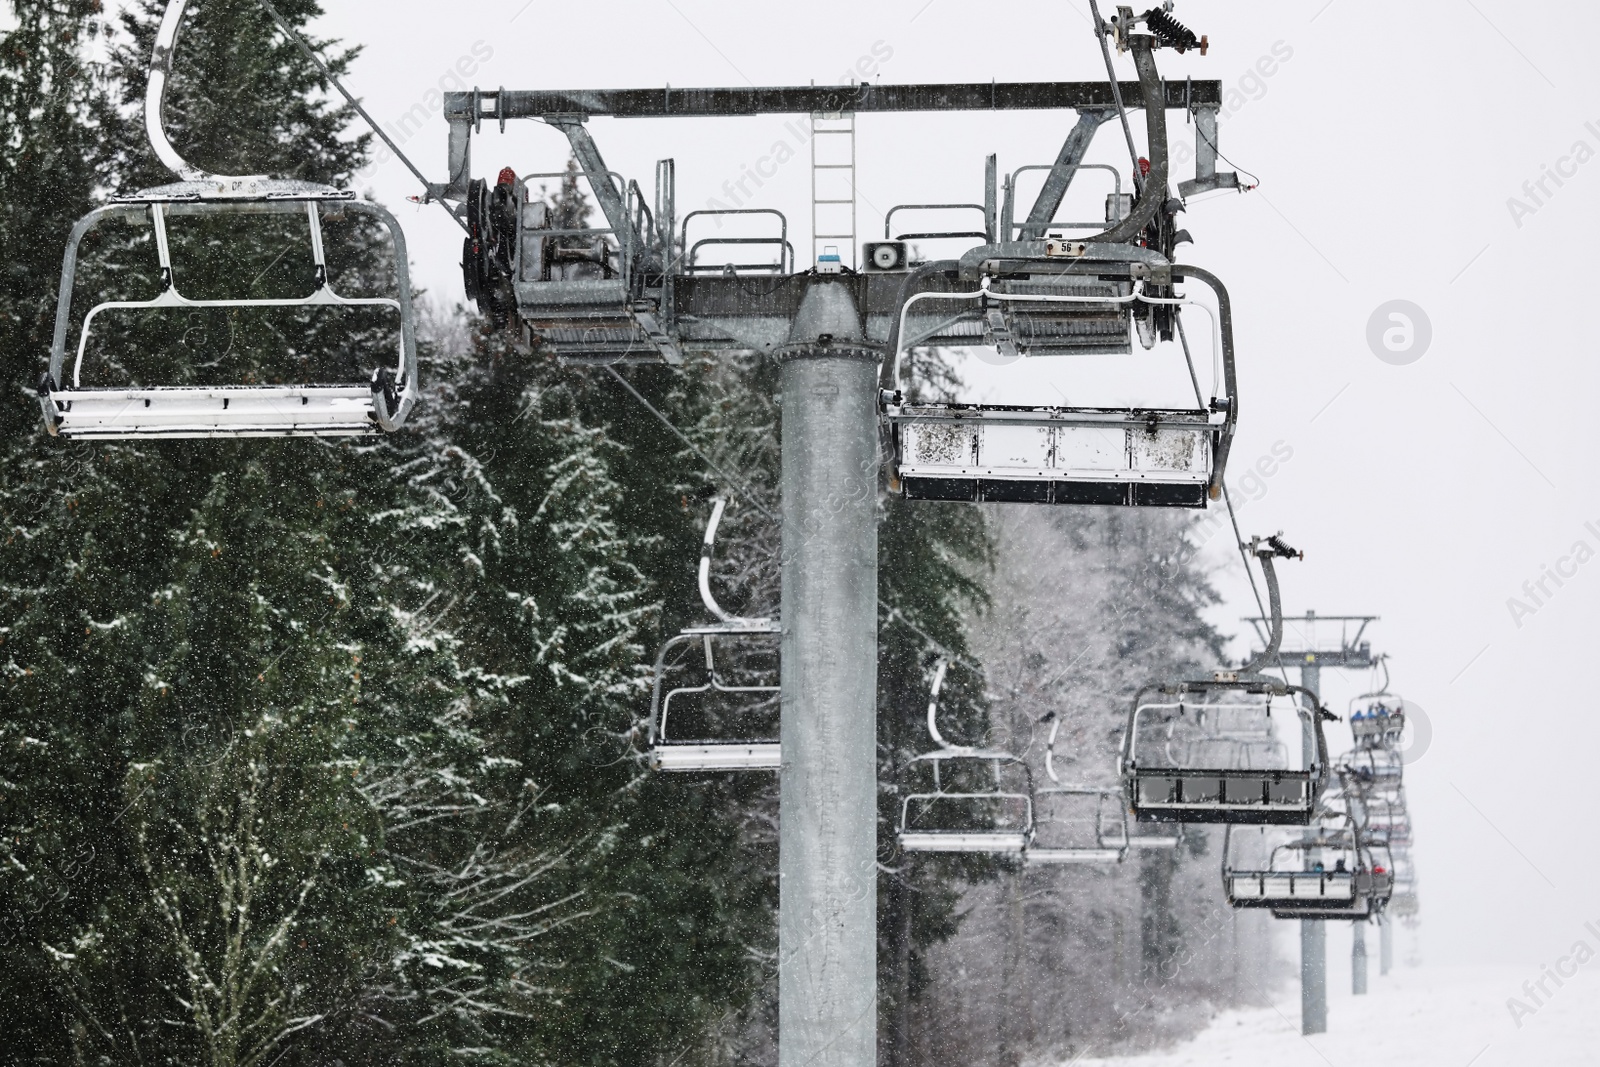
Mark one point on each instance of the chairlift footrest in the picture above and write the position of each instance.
(242, 411)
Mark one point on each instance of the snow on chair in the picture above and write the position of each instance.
(1150, 457)
(667, 754)
(73, 409)
(929, 821)
(1079, 824)
(1162, 785)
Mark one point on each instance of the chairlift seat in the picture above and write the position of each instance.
(1068, 856)
(1055, 455)
(1154, 841)
(998, 843)
(236, 411)
(592, 320)
(1358, 907)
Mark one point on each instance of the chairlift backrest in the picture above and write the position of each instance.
(111, 411)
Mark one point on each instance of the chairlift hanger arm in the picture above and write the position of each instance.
(707, 548)
(155, 99)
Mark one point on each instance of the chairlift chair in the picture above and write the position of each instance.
(1161, 789)
(1027, 293)
(1149, 457)
(1378, 767)
(1095, 813)
(924, 820)
(1326, 874)
(1379, 721)
(667, 754)
(76, 410)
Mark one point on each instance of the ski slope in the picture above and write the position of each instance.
(1425, 1017)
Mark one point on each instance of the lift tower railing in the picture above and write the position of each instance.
(1350, 653)
(639, 294)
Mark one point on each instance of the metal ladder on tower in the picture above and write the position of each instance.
(833, 139)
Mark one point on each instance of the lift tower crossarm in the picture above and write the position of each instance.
(672, 102)
(1351, 654)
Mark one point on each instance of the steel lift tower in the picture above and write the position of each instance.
(1350, 653)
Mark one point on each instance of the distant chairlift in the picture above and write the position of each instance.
(1161, 785)
(1380, 721)
(1328, 874)
(929, 821)
(1076, 813)
(1380, 767)
(72, 409)
(667, 754)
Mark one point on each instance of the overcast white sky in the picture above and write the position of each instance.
(1388, 144)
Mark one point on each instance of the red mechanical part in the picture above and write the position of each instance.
(508, 176)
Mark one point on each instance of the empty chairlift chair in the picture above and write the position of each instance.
(1028, 293)
(1163, 783)
(1075, 824)
(1153, 457)
(1160, 788)
(958, 815)
(75, 407)
(675, 754)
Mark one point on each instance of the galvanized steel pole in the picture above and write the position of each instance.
(1385, 945)
(1358, 957)
(1313, 932)
(827, 842)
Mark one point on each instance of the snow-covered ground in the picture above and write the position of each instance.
(1422, 1017)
